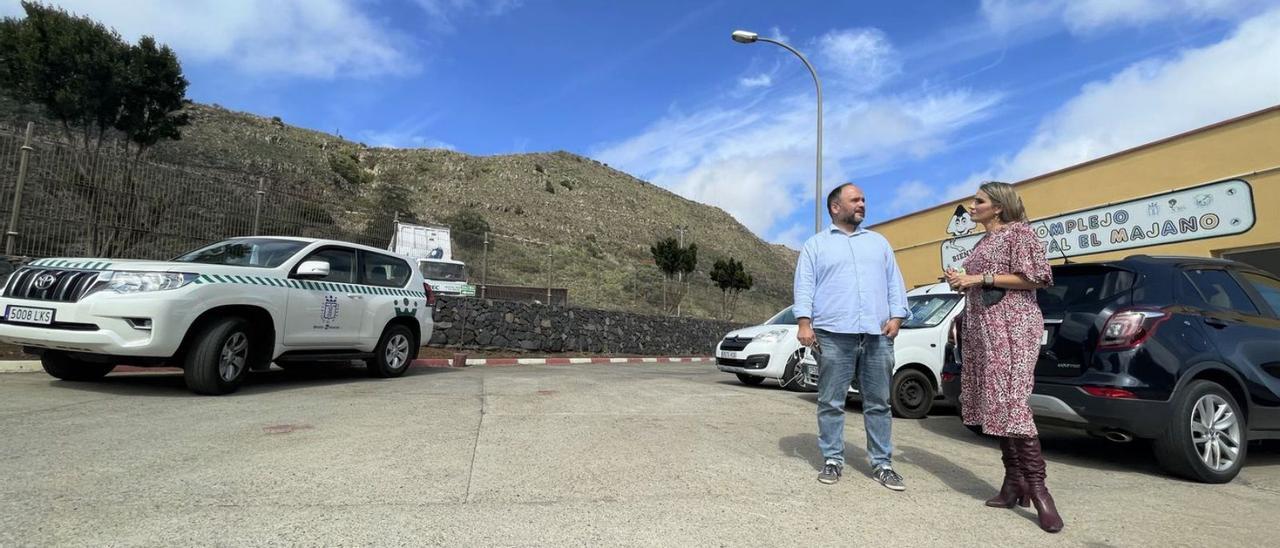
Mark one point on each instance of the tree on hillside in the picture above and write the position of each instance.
(672, 260)
(388, 201)
(467, 226)
(732, 278)
(94, 83)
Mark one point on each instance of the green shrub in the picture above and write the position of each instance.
(347, 166)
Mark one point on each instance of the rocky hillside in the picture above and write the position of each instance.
(591, 223)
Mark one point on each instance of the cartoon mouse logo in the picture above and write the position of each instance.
(961, 224)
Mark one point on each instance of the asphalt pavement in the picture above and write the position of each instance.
(650, 454)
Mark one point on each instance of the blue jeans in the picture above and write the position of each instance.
(871, 357)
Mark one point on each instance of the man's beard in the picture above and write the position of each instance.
(854, 219)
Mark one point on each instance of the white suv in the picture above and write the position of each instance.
(221, 310)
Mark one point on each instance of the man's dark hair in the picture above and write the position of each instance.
(834, 195)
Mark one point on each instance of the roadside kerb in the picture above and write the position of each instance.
(31, 366)
(445, 362)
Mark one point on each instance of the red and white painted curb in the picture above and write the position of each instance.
(30, 366)
(445, 362)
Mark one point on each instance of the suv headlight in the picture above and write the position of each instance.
(771, 336)
(138, 282)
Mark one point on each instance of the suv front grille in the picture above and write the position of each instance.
(50, 284)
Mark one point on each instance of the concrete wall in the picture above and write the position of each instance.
(484, 323)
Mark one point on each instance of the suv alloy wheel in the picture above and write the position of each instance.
(219, 357)
(1206, 439)
(396, 350)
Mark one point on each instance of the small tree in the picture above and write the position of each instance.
(468, 227)
(732, 279)
(672, 260)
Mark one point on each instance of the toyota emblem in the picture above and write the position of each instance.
(45, 281)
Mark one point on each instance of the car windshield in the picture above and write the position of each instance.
(929, 310)
(442, 271)
(254, 252)
(782, 318)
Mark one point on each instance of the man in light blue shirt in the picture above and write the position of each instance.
(850, 302)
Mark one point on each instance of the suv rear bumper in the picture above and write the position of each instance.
(1070, 406)
(1141, 418)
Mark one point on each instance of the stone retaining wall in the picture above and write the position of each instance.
(483, 323)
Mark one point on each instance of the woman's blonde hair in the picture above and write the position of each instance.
(1003, 195)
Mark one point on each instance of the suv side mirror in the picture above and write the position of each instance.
(313, 269)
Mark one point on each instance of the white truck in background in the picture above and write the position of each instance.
(432, 248)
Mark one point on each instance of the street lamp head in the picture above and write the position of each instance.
(745, 36)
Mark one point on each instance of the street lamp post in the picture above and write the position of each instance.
(747, 37)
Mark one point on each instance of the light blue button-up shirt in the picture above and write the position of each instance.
(849, 283)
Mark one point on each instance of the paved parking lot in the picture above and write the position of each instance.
(652, 454)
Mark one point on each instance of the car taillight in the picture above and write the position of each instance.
(1109, 392)
(948, 376)
(431, 296)
(1129, 327)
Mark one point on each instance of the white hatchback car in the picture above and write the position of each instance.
(770, 350)
(766, 351)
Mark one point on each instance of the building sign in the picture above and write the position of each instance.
(1207, 211)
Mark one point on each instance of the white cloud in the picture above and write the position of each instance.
(756, 161)
(309, 38)
(794, 236)
(758, 81)
(395, 139)
(1085, 16)
(442, 12)
(321, 39)
(910, 196)
(1157, 98)
(753, 156)
(775, 33)
(859, 58)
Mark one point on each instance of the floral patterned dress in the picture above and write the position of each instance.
(1001, 342)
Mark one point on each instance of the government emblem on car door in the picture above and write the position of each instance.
(329, 312)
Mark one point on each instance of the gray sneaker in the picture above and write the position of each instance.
(830, 473)
(888, 478)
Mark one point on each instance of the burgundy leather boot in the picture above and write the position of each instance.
(1014, 489)
(1032, 463)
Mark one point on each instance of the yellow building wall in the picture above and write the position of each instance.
(1247, 147)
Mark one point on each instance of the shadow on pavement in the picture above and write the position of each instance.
(171, 384)
(805, 448)
(957, 477)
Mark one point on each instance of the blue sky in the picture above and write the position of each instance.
(922, 100)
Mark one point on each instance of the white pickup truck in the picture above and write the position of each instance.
(221, 310)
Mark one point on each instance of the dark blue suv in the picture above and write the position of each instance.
(1184, 351)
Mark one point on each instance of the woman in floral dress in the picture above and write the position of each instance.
(1001, 342)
